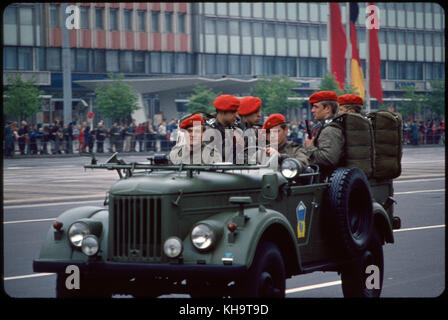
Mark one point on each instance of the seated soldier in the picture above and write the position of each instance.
(289, 149)
(350, 103)
(191, 142)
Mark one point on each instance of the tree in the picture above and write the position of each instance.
(116, 99)
(274, 93)
(202, 100)
(436, 98)
(329, 83)
(22, 97)
(412, 103)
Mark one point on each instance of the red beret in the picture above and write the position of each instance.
(189, 121)
(350, 99)
(249, 105)
(274, 120)
(226, 102)
(323, 96)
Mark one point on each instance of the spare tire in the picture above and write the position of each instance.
(350, 209)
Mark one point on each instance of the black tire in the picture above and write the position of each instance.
(355, 274)
(89, 287)
(266, 277)
(350, 210)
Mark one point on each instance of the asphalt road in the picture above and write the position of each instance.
(37, 190)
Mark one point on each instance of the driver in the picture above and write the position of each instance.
(289, 149)
(192, 141)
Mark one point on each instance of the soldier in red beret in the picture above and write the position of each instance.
(190, 139)
(349, 103)
(250, 112)
(226, 106)
(325, 147)
(289, 149)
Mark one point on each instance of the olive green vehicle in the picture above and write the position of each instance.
(222, 230)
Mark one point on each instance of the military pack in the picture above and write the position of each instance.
(359, 143)
(388, 134)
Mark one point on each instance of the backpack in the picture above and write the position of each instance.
(359, 149)
(388, 137)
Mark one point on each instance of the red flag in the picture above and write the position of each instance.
(338, 44)
(375, 65)
(357, 76)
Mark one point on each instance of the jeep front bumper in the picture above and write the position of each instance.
(112, 269)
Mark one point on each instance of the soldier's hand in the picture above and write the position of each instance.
(309, 142)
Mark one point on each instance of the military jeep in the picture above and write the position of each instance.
(221, 231)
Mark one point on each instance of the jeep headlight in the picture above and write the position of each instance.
(90, 245)
(77, 232)
(202, 236)
(172, 247)
(290, 168)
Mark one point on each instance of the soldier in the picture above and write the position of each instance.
(226, 107)
(285, 148)
(250, 112)
(350, 103)
(325, 148)
(192, 140)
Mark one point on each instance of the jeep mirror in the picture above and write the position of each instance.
(270, 186)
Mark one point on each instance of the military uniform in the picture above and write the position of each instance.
(328, 149)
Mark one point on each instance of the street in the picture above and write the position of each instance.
(36, 191)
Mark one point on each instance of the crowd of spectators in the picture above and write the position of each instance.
(415, 133)
(58, 138)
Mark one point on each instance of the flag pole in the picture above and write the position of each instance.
(367, 86)
(329, 40)
(348, 67)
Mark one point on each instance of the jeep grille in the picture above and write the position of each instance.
(135, 228)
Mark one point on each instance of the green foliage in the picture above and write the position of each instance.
(116, 99)
(274, 93)
(202, 100)
(436, 98)
(329, 83)
(22, 97)
(412, 103)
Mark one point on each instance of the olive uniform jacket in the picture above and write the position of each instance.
(293, 150)
(328, 148)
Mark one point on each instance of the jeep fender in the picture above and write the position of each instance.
(262, 224)
(382, 223)
(59, 248)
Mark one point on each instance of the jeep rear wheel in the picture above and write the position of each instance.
(350, 209)
(266, 276)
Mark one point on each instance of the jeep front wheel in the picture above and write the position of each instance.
(266, 276)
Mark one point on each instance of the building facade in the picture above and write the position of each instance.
(165, 49)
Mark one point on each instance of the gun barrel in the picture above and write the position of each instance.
(308, 130)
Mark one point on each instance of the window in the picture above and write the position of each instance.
(314, 32)
(181, 23)
(245, 29)
(221, 64)
(280, 31)
(84, 12)
(246, 10)
(269, 10)
(9, 58)
(113, 19)
(268, 65)
(303, 32)
(410, 40)
(234, 27)
(139, 61)
(221, 27)
(257, 29)
(82, 60)
(155, 62)
(210, 64)
(210, 26)
(169, 22)
(291, 67)
(234, 9)
(126, 61)
(291, 31)
(281, 10)
(40, 59)
(280, 66)
(222, 9)
(10, 26)
(209, 8)
(53, 59)
(292, 11)
(181, 65)
(99, 18)
(269, 30)
(245, 65)
(155, 22)
(26, 26)
(400, 37)
(258, 9)
(419, 38)
(99, 61)
(167, 63)
(234, 64)
(112, 64)
(127, 20)
(141, 21)
(54, 16)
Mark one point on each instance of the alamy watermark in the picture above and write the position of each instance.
(372, 17)
(73, 21)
